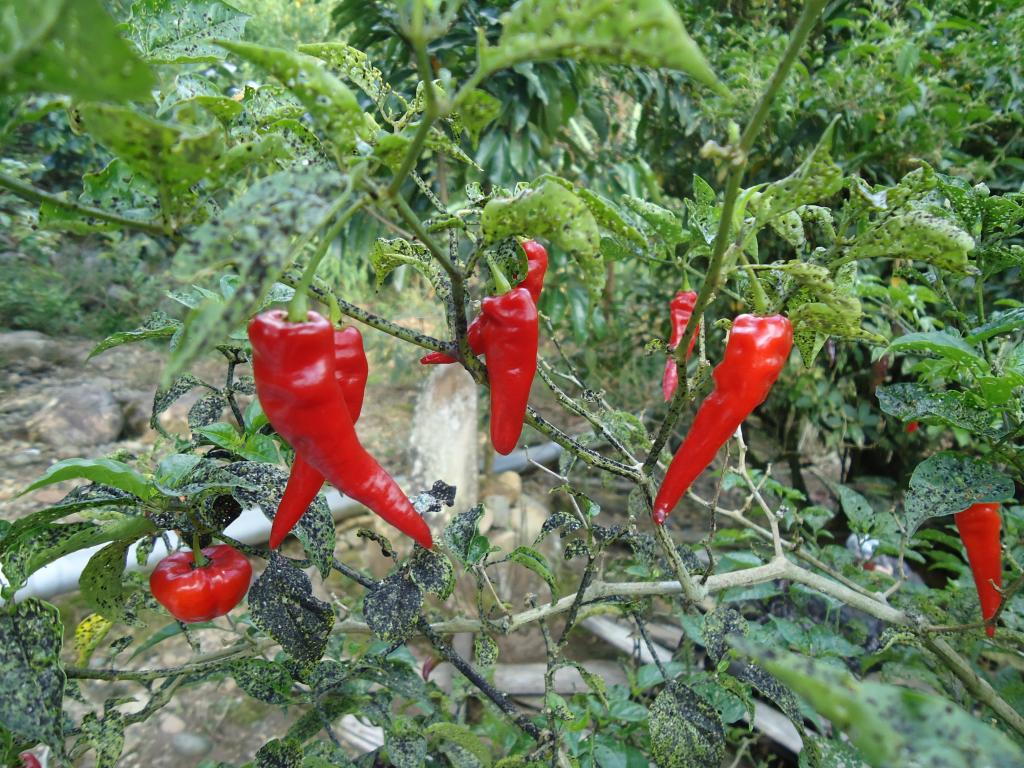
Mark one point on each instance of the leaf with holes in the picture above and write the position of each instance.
(646, 33)
(550, 211)
(180, 32)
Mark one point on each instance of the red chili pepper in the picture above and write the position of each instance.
(293, 365)
(200, 594)
(680, 308)
(304, 482)
(537, 267)
(510, 338)
(755, 354)
(28, 760)
(912, 427)
(979, 531)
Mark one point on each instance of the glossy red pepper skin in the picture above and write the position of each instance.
(755, 354)
(304, 483)
(511, 334)
(293, 365)
(680, 308)
(979, 526)
(200, 594)
(537, 267)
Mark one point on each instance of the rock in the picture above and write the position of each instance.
(82, 415)
(507, 484)
(191, 744)
(24, 458)
(171, 724)
(37, 349)
(528, 518)
(497, 510)
(136, 408)
(443, 441)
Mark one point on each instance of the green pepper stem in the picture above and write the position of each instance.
(197, 552)
(500, 281)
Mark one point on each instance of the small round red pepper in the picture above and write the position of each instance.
(304, 482)
(537, 267)
(28, 760)
(755, 354)
(294, 368)
(681, 308)
(200, 594)
(979, 526)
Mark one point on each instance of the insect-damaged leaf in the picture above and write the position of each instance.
(31, 677)
(947, 483)
(282, 604)
(550, 210)
(391, 607)
(685, 730)
(646, 33)
(175, 32)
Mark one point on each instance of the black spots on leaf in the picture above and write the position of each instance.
(267, 681)
(686, 731)
(391, 608)
(283, 606)
(718, 625)
(432, 572)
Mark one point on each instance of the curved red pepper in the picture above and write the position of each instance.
(537, 267)
(510, 336)
(979, 526)
(304, 482)
(680, 308)
(293, 365)
(755, 354)
(199, 594)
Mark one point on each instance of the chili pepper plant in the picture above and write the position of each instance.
(799, 307)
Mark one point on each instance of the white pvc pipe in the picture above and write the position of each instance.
(251, 527)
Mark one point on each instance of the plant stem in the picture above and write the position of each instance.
(808, 17)
(36, 195)
(197, 552)
(500, 281)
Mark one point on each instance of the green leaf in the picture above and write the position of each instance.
(157, 326)
(116, 474)
(663, 222)
(891, 725)
(173, 156)
(387, 255)
(608, 217)
(31, 676)
(70, 47)
(354, 66)
(917, 235)
(476, 111)
(282, 605)
(818, 177)
(101, 584)
(909, 402)
(463, 737)
(534, 561)
(116, 189)
(947, 483)
(262, 223)
(999, 323)
(857, 508)
(646, 33)
(334, 108)
(179, 31)
(686, 731)
(550, 211)
(943, 345)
